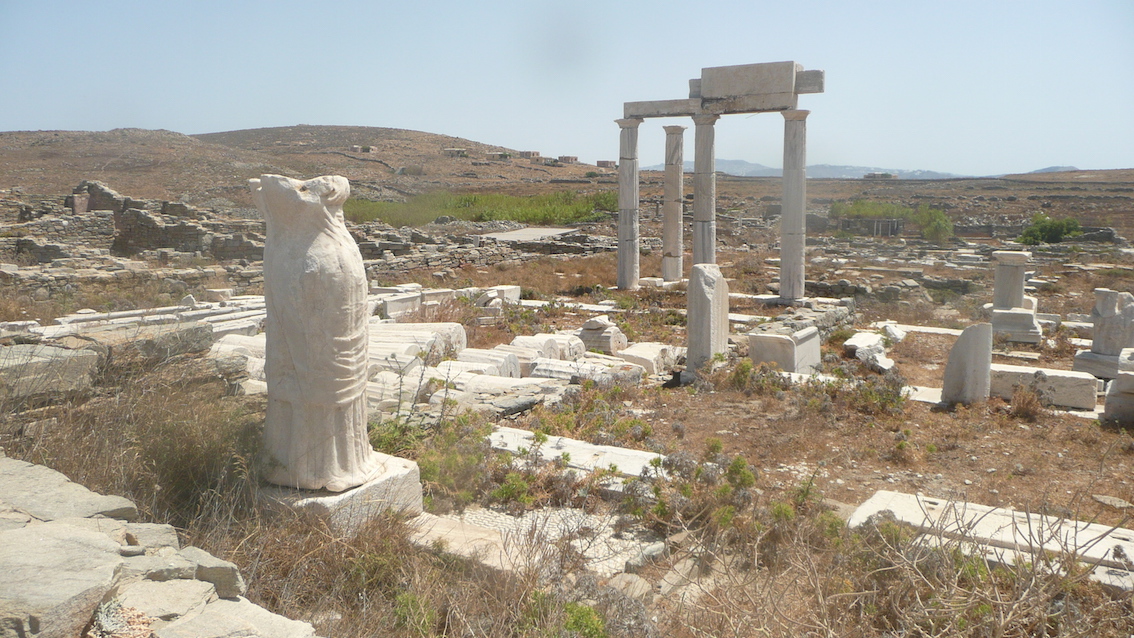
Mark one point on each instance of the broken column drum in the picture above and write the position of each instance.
(672, 204)
(793, 218)
(315, 435)
(628, 259)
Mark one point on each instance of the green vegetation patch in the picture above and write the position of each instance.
(1045, 230)
(555, 209)
(933, 223)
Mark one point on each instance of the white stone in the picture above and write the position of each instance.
(655, 358)
(1064, 388)
(707, 316)
(1018, 324)
(862, 340)
(49, 495)
(571, 347)
(600, 322)
(673, 204)
(526, 356)
(1113, 318)
(315, 287)
(1008, 290)
(547, 346)
(507, 364)
(449, 369)
(28, 370)
(445, 338)
(968, 371)
(798, 352)
(398, 488)
(704, 189)
(628, 237)
(607, 340)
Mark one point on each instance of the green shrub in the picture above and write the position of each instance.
(1045, 230)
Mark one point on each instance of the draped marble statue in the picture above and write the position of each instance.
(315, 287)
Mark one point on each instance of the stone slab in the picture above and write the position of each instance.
(1064, 388)
(30, 370)
(52, 577)
(235, 619)
(48, 495)
(1102, 366)
(168, 600)
(531, 233)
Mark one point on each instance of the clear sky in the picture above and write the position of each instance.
(970, 87)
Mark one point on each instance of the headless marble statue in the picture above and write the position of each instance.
(315, 288)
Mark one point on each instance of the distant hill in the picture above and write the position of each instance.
(1055, 169)
(742, 168)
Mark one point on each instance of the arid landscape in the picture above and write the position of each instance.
(757, 473)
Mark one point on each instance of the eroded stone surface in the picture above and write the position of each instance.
(969, 369)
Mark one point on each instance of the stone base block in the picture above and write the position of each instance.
(797, 352)
(398, 488)
(1018, 324)
(656, 358)
(1064, 388)
(1103, 366)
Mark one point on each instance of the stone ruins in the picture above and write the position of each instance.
(749, 88)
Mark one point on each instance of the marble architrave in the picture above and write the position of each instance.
(316, 349)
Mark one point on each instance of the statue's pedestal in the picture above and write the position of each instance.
(398, 488)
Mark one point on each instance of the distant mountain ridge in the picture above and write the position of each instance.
(743, 168)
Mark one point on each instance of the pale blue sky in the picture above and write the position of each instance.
(967, 87)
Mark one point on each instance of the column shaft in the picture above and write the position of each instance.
(672, 203)
(628, 236)
(704, 191)
(793, 215)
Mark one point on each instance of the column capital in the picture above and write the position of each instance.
(674, 130)
(702, 119)
(795, 114)
(629, 122)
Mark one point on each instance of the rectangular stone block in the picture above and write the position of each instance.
(748, 79)
(1064, 388)
(811, 81)
(662, 108)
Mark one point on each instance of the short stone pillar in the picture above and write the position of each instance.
(1113, 318)
(968, 374)
(1013, 314)
(793, 215)
(628, 264)
(1011, 267)
(704, 190)
(707, 316)
(672, 203)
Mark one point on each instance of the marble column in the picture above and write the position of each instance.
(704, 191)
(793, 215)
(1008, 287)
(673, 202)
(628, 268)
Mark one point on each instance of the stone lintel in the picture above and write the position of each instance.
(751, 103)
(661, 108)
(748, 80)
(811, 81)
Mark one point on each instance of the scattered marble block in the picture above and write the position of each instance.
(216, 295)
(398, 488)
(797, 352)
(1103, 366)
(28, 370)
(1018, 324)
(656, 358)
(507, 363)
(968, 374)
(601, 334)
(1063, 388)
(526, 356)
(395, 305)
(571, 347)
(707, 317)
(1113, 318)
(545, 344)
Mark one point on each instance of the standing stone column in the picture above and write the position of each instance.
(793, 212)
(704, 191)
(707, 330)
(673, 203)
(628, 268)
(1008, 287)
